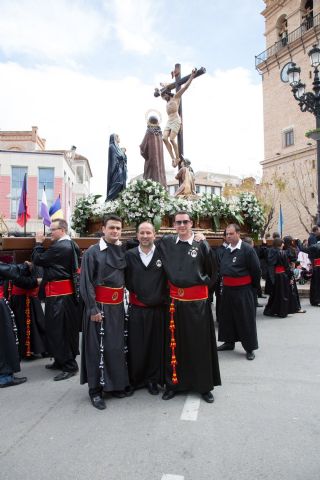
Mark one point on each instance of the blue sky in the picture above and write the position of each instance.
(81, 69)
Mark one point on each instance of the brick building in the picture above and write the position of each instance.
(292, 27)
(63, 172)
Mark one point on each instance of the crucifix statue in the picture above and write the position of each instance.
(173, 128)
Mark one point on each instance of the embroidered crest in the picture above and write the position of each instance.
(193, 252)
(234, 259)
(115, 296)
(159, 263)
(180, 292)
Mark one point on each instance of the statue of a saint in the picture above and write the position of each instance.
(151, 149)
(185, 176)
(117, 168)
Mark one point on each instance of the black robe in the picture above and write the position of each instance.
(146, 324)
(218, 253)
(9, 354)
(103, 267)
(238, 304)
(278, 302)
(37, 325)
(314, 253)
(196, 350)
(61, 312)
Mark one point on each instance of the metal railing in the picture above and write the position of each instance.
(311, 23)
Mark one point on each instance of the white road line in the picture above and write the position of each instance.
(191, 408)
(168, 476)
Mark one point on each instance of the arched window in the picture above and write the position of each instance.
(307, 14)
(282, 29)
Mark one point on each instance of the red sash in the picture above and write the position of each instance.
(109, 295)
(237, 281)
(316, 262)
(133, 299)
(189, 294)
(58, 288)
(279, 269)
(1, 291)
(32, 292)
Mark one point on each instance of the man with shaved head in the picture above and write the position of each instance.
(147, 284)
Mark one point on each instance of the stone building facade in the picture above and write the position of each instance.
(292, 27)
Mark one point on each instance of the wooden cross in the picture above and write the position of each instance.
(176, 73)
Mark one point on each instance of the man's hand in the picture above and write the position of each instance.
(29, 264)
(96, 318)
(199, 236)
(40, 237)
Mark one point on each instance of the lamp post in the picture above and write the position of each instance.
(309, 102)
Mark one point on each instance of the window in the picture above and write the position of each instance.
(79, 174)
(288, 138)
(46, 179)
(17, 176)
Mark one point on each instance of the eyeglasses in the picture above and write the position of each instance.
(53, 229)
(182, 222)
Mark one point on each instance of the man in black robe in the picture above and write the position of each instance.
(314, 254)
(148, 304)
(191, 360)
(61, 310)
(218, 253)
(240, 271)
(9, 354)
(103, 363)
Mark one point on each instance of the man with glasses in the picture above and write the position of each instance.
(61, 312)
(191, 353)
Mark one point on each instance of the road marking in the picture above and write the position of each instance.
(168, 476)
(191, 408)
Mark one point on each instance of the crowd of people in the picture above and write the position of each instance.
(145, 308)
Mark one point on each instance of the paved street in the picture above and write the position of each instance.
(264, 424)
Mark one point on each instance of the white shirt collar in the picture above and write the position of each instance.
(102, 245)
(190, 240)
(236, 246)
(65, 237)
(146, 254)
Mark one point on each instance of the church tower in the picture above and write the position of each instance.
(292, 27)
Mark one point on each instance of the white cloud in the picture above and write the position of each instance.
(135, 24)
(53, 29)
(222, 116)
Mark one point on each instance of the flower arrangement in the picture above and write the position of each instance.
(251, 211)
(83, 210)
(313, 133)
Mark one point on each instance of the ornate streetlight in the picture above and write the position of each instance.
(309, 102)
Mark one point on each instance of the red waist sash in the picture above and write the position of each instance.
(133, 299)
(237, 281)
(59, 287)
(109, 295)
(316, 262)
(32, 292)
(279, 269)
(189, 294)
(1, 291)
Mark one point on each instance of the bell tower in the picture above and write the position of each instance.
(292, 27)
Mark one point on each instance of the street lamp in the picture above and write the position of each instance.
(309, 102)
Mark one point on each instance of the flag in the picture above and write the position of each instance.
(280, 221)
(44, 212)
(23, 214)
(56, 210)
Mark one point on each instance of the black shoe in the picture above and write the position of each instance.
(226, 346)
(168, 394)
(250, 356)
(119, 393)
(129, 391)
(64, 376)
(208, 397)
(153, 388)
(14, 382)
(98, 402)
(53, 366)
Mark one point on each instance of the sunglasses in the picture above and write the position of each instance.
(182, 222)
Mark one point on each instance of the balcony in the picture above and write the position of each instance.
(313, 23)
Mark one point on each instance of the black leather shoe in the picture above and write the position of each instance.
(226, 346)
(119, 393)
(64, 376)
(14, 382)
(250, 356)
(129, 391)
(53, 366)
(208, 397)
(168, 394)
(98, 402)
(153, 388)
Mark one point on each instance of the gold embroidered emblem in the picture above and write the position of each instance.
(180, 292)
(115, 296)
